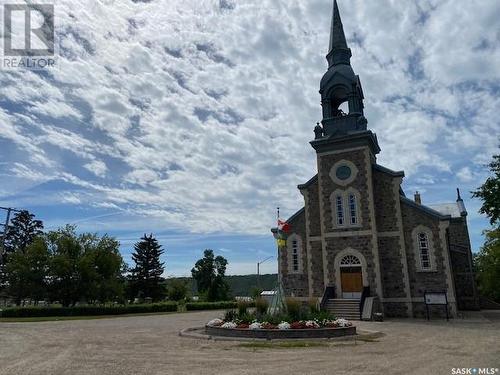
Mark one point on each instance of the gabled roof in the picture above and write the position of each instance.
(451, 209)
(296, 215)
(308, 183)
(425, 209)
(388, 171)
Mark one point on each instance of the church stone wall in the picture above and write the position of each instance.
(317, 279)
(460, 253)
(313, 209)
(391, 268)
(363, 244)
(420, 281)
(389, 244)
(385, 203)
(296, 284)
(325, 164)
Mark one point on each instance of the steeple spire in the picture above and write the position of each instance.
(339, 52)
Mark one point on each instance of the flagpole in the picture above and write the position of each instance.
(279, 288)
(278, 258)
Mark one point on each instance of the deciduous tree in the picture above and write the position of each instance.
(489, 193)
(209, 273)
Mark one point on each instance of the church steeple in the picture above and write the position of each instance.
(338, 52)
(340, 85)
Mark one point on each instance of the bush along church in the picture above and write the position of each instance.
(358, 234)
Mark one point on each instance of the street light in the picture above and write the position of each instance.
(258, 269)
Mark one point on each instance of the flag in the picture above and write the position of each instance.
(283, 226)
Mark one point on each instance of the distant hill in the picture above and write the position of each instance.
(241, 285)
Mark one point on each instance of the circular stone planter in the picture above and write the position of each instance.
(280, 334)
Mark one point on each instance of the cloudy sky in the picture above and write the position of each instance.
(191, 118)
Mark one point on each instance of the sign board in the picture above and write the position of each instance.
(436, 298)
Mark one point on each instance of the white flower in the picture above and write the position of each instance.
(215, 322)
(284, 325)
(229, 325)
(312, 324)
(341, 322)
(255, 325)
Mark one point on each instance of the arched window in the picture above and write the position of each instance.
(295, 255)
(423, 245)
(353, 210)
(345, 208)
(294, 244)
(350, 260)
(339, 204)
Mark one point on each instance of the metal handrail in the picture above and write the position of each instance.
(329, 293)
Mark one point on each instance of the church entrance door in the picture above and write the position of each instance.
(352, 282)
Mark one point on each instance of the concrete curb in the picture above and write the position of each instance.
(199, 333)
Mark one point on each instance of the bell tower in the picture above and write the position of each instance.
(340, 85)
(346, 153)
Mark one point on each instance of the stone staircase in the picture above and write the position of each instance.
(344, 308)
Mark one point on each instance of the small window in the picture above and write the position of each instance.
(353, 209)
(295, 255)
(423, 244)
(340, 210)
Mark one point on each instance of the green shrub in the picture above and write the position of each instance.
(230, 315)
(322, 315)
(255, 292)
(261, 306)
(293, 308)
(247, 318)
(86, 310)
(193, 306)
(313, 305)
(276, 319)
(242, 307)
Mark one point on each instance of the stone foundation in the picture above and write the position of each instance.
(278, 334)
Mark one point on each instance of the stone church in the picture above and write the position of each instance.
(358, 234)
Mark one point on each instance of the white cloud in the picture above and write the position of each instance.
(97, 167)
(465, 175)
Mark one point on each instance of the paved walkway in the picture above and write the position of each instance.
(151, 345)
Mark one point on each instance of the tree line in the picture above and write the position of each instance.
(68, 267)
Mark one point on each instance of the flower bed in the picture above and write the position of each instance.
(284, 330)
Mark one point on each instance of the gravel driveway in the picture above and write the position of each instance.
(151, 345)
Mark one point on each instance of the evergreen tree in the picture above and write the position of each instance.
(23, 229)
(145, 279)
(209, 273)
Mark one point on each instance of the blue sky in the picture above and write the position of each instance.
(191, 119)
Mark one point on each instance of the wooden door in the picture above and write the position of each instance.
(352, 280)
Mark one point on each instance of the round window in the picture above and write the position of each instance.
(343, 172)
